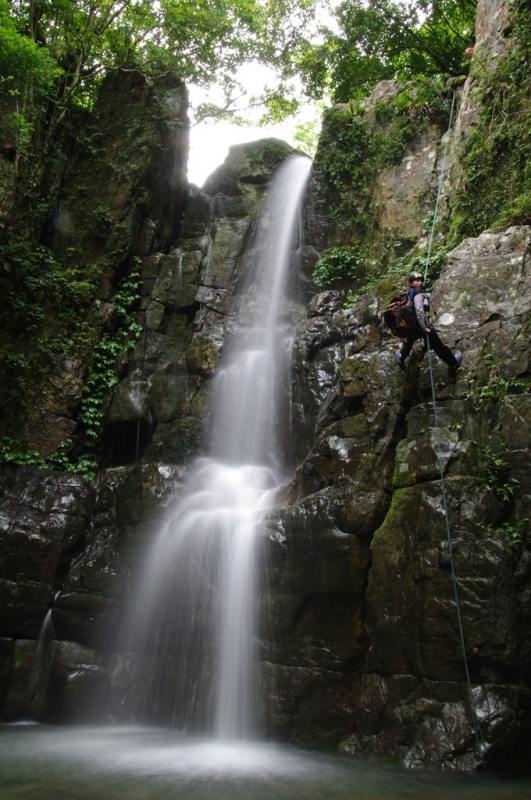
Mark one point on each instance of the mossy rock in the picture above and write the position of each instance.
(247, 166)
(391, 531)
(202, 358)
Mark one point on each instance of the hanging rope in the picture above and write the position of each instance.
(480, 740)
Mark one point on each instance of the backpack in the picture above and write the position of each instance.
(400, 317)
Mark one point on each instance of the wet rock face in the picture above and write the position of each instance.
(157, 421)
(44, 518)
(359, 574)
(163, 403)
(77, 551)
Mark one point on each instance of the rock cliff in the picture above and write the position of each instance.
(360, 642)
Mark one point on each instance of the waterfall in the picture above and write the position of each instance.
(46, 632)
(195, 607)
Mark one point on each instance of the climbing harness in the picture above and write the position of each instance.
(480, 740)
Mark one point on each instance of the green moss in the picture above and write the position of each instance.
(388, 287)
(353, 369)
(366, 471)
(22, 656)
(391, 530)
(355, 427)
(271, 154)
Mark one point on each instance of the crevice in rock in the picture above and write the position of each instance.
(125, 442)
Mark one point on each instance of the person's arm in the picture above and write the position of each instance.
(418, 302)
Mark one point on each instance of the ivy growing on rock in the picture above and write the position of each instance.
(103, 373)
(33, 282)
(338, 263)
(102, 377)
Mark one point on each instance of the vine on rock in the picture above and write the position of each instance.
(102, 376)
(103, 372)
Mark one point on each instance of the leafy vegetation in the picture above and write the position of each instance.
(514, 532)
(383, 39)
(102, 376)
(15, 453)
(356, 144)
(349, 157)
(33, 282)
(337, 263)
(496, 470)
(53, 54)
(495, 387)
(40, 316)
(497, 158)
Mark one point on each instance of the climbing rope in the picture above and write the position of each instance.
(480, 740)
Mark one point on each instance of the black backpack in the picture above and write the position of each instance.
(400, 317)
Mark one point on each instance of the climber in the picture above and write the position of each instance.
(424, 328)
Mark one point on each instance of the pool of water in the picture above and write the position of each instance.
(39, 762)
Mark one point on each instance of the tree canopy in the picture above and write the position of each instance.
(58, 50)
(54, 53)
(384, 39)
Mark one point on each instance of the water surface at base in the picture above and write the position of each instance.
(40, 763)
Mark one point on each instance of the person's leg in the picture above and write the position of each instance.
(405, 348)
(440, 349)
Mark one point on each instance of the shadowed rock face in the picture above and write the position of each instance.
(43, 518)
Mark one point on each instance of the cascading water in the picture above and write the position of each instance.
(194, 612)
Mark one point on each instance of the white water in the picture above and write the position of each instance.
(246, 405)
(139, 763)
(46, 632)
(195, 605)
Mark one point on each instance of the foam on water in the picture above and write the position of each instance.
(137, 763)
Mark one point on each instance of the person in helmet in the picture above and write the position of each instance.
(421, 306)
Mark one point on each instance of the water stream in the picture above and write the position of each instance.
(194, 608)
